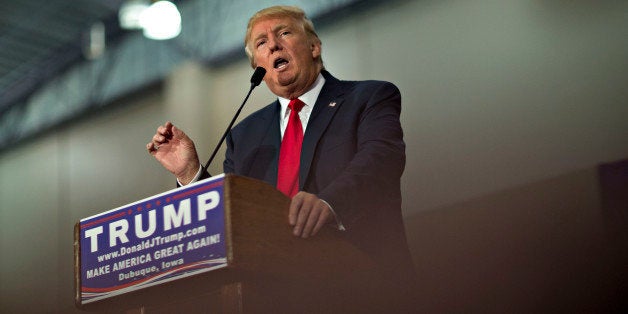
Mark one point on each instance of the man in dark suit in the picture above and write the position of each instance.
(352, 155)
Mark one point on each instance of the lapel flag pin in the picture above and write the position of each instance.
(332, 104)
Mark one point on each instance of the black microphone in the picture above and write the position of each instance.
(256, 79)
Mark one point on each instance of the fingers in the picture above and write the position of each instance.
(295, 204)
(163, 134)
(166, 129)
(307, 214)
(173, 131)
(151, 147)
(302, 218)
(322, 220)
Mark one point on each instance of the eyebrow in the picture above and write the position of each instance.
(274, 30)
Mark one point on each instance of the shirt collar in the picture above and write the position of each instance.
(309, 98)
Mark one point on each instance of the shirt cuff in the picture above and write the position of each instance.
(196, 177)
(339, 224)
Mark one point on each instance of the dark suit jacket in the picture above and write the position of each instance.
(353, 156)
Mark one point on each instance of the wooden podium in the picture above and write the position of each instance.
(269, 269)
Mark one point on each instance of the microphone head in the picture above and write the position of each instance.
(257, 76)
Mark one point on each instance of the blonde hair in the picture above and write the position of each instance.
(280, 11)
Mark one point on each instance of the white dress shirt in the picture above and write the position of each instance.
(309, 99)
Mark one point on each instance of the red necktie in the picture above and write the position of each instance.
(290, 152)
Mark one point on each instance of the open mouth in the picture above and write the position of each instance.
(280, 63)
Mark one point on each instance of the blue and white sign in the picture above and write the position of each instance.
(166, 237)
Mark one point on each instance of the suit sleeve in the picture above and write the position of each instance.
(227, 165)
(369, 185)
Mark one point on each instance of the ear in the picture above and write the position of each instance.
(316, 49)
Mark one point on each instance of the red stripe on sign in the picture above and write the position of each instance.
(197, 190)
(99, 221)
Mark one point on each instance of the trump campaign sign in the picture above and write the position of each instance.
(163, 238)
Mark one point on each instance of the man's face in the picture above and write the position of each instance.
(282, 47)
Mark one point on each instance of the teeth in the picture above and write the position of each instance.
(279, 63)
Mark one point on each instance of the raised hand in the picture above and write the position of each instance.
(175, 151)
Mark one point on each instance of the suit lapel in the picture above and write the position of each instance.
(328, 103)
